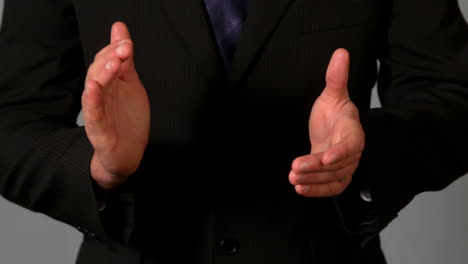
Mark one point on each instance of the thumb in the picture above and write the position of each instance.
(119, 32)
(337, 75)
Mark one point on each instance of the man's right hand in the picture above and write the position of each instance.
(116, 111)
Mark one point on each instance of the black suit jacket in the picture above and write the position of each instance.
(213, 185)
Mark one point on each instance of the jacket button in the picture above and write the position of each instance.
(229, 246)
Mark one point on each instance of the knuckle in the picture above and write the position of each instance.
(102, 54)
(92, 68)
(333, 79)
(99, 58)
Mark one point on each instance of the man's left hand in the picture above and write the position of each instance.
(336, 137)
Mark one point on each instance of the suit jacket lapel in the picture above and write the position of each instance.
(188, 17)
(263, 18)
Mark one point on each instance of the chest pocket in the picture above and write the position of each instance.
(327, 15)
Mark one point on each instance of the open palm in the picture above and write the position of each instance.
(115, 111)
(336, 137)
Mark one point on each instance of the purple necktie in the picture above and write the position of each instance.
(227, 18)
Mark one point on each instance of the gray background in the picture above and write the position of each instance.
(433, 229)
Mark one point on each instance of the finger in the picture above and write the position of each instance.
(122, 49)
(303, 169)
(105, 59)
(121, 35)
(337, 76)
(321, 190)
(121, 44)
(351, 145)
(104, 52)
(308, 163)
(316, 178)
(125, 49)
(93, 108)
(108, 72)
(119, 32)
(322, 177)
(111, 49)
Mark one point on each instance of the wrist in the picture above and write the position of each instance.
(103, 177)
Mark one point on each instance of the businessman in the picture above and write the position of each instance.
(230, 131)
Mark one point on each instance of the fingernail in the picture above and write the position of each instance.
(120, 49)
(109, 65)
(303, 166)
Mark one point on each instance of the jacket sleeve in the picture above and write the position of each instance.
(417, 141)
(45, 156)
